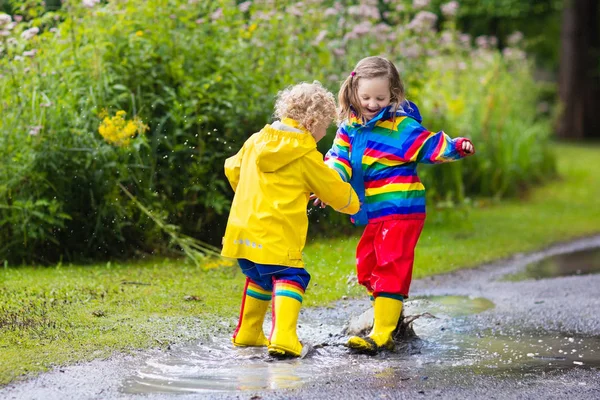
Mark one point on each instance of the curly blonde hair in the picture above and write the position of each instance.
(308, 103)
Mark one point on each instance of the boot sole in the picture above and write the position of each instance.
(368, 346)
(282, 352)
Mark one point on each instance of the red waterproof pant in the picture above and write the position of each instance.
(385, 255)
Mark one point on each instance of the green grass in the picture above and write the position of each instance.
(58, 315)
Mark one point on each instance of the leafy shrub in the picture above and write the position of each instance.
(201, 76)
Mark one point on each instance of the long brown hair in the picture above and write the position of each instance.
(368, 68)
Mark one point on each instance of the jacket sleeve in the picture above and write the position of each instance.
(232, 168)
(434, 148)
(326, 184)
(338, 157)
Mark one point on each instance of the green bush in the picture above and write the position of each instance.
(202, 76)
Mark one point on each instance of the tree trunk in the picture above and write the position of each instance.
(579, 72)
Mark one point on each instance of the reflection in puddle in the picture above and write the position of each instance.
(577, 263)
(453, 306)
(449, 349)
(191, 369)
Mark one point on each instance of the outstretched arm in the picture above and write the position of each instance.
(435, 148)
(328, 186)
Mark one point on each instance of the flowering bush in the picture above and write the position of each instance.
(197, 78)
(119, 131)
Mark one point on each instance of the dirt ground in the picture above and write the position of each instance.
(489, 336)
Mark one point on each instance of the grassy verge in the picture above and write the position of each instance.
(58, 315)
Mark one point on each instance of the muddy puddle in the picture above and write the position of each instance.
(581, 262)
(447, 348)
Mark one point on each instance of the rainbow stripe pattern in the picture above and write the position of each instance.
(288, 289)
(255, 291)
(380, 157)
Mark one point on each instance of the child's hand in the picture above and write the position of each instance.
(317, 202)
(467, 147)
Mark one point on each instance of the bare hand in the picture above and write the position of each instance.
(317, 202)
(467, 147)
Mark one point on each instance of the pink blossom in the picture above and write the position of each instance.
(217, 14)
(423, 21)
(245, 6)
(320, 37)
(513, 54)
(381, 28)
(330, 12)
(450, 9)
(465, 39)
(295, 10)
(5, 19)
(340, 52)
(514, 38)
(4, 33)
(352, 35)
(266, 16)
(362, 29)
(30, 53)
(90, 3)
(34, 130)
(412, 51)
(30, 33)
(420, 3)
(365, 11)
(446, 38)
(482, 42)
(18, 18)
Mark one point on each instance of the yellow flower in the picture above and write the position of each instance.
(119, 131)
(219, 78)
(246, 34)
(139, 33)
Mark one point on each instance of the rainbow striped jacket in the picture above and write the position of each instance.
(379, 158)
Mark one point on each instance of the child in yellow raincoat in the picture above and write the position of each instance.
(272, 176)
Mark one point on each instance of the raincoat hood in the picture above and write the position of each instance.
(272, 176)
(276, 148)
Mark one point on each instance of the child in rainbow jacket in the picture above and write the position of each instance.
(377, 148)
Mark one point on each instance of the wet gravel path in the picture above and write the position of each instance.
(492, 338)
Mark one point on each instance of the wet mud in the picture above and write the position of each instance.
(468, 334)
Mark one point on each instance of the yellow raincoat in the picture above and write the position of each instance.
(272, 176)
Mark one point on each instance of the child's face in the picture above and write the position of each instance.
(373, 94)
(319, 131)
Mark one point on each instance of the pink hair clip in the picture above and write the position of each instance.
(352, 73)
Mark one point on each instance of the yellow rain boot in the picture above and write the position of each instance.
(249, 332)
(287, 302)
(387, 311)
